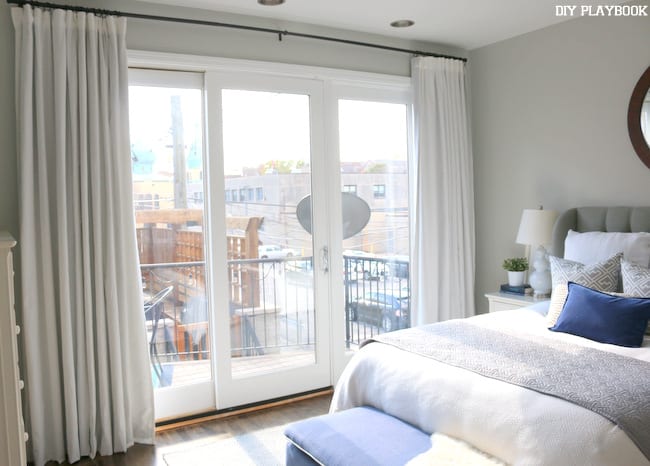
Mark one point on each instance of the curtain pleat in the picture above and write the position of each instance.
(442, 194)
(88, 384)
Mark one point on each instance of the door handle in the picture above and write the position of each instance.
(325, 259)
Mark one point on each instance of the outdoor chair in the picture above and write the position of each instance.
(153, 311)
(192, 331)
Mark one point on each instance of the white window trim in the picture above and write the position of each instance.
(337, 84)
(177, 80)
(201, 63)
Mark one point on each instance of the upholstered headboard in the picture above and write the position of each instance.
(581, 219)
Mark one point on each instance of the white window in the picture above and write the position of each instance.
(274, 299)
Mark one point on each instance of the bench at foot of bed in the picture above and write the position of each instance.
(357, 436)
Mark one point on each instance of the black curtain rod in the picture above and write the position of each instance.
(279, 32)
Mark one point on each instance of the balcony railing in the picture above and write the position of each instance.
(377, 296)
(272, 304)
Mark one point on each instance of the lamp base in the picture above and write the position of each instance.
(540, 277)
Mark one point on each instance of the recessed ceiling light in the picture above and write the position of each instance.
(402, 23)
(270, 2)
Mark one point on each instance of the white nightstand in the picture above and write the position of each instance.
(506, 301)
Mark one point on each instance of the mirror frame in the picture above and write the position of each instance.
(641, 146)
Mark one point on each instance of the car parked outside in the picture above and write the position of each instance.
(383, 310)
(300, 265)
(273, 251)
(359, 265)
(397, 266)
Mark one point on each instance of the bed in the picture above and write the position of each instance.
(509, 421)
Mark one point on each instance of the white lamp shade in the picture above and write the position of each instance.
(536, 226)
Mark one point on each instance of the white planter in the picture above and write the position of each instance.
(516, 278)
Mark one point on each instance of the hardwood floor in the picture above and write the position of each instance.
(177, 441)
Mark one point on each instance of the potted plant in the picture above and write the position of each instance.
(516, 267)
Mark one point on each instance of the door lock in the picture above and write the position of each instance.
(325, 259)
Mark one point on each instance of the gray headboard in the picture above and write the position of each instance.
(581, 219)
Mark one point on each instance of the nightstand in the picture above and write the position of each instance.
(507, 301)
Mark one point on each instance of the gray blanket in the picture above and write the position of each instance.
(614, 386)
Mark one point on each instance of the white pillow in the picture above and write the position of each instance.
(595, 246)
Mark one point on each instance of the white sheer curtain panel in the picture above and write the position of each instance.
(88, 384)
(443, 193)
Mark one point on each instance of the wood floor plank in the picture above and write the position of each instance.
(183, 438)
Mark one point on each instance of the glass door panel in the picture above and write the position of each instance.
(267, 167)
(276, 318)
(241, 306)
(373, 153)
(166, 127)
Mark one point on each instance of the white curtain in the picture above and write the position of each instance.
(442, 194)
(88, 384)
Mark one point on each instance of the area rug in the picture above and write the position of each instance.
(260, 448)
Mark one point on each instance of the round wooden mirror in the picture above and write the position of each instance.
(640, 108)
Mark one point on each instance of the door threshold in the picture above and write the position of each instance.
(175, 423)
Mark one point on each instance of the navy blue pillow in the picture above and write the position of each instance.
(602, 317)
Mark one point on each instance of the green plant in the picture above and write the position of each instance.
(515, 264)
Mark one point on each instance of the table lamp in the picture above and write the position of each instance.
(536, 229)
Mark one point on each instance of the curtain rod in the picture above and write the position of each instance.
(279, 32)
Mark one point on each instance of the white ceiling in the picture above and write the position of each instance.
(463, 23)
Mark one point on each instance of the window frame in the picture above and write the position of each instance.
(350, 188)
(336, 84)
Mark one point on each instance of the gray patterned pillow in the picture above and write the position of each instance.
(601, 276)
(636, 279)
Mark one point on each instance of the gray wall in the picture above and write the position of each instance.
(549, 128)
(199, 40)
(548, 110)
(8, 186)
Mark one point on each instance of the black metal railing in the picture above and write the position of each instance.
(182, 327)
(272, 304)
(275, 297)
(377, 296)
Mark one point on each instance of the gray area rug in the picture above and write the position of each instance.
(260, 448)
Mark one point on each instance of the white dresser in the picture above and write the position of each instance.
(12, 430)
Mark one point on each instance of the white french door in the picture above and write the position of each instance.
(167, 151)
(246, 186)
(369, 145)
(270, 283)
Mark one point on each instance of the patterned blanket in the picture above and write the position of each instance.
(614, 386)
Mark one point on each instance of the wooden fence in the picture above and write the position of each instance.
(176, 235)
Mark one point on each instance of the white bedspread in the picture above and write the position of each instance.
(517, 425)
